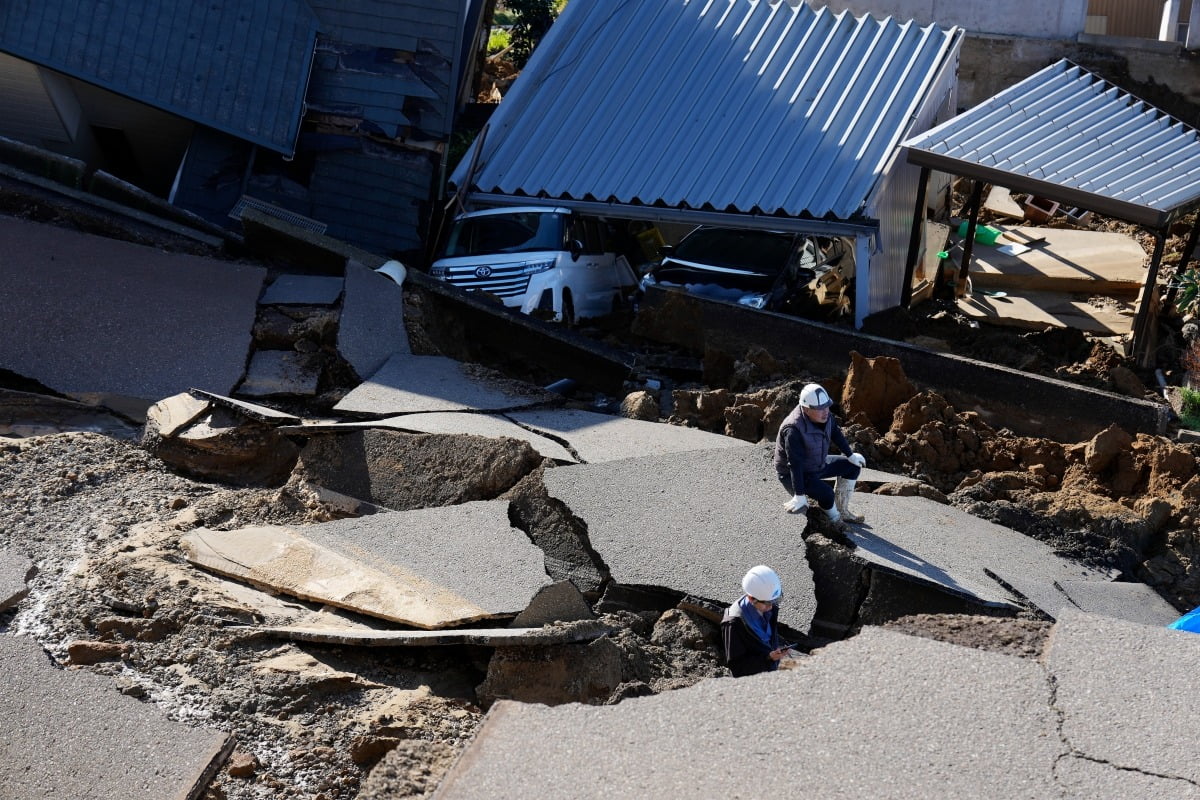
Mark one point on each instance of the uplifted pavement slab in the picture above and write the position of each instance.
(87, 314)
(275, 372)
(567, 633)
(603, 437)
(407, 384)
(693, 522)
(1127, 694)
(1133, 602)
(429, 568)
(449, 422)
(302, 290)
(880, 715)
(15, 570)
(940, 544)
(70, 733)
(371, 327)
(26, 414)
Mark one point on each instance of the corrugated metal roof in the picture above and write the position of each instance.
(1067, 134)
(728, 105)
(239, 67)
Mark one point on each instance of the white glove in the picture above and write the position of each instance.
(797, 504)
(858, 460)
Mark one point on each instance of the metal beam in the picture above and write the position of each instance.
(914, 239)
(1141, 323)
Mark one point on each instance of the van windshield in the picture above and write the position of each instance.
(519, 232)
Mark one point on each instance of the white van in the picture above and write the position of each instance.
(546, 261)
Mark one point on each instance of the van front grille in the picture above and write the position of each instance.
(500, 281)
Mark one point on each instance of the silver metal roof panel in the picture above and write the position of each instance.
(1066, 133)
(747, 106)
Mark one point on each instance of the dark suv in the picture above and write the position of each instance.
(774, 270)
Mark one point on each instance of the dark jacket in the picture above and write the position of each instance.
(802, 445)
(745, 654)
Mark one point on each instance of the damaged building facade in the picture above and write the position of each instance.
(333, 115)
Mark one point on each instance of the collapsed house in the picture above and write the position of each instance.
(334, 116)
(747, 115)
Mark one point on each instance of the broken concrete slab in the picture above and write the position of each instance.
(137, 321)
(602, 437)
(1133, 602)
(281, 372)
(1117, 683)
(252, 410)
(172, 414)
(999, 201)
(302, 290)
(371, 328)
(986, 729)
(79, 737)
(449, 422)
(408, 383)
(430, 568)
(216, 442)
(403, 471)
(29, 414)
(15, 571)
(568, 633)
(942, 545)
(1036, 310)
(558, 602)
(692, 522)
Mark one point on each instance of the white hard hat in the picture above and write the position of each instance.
(814, 396)
(762, 584)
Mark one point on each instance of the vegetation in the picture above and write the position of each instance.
(530, 21)
(1189, 413)
(498, 40)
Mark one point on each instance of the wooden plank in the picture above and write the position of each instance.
(1070, 261)
(1108, 316)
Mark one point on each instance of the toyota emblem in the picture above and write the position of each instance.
(483, 272)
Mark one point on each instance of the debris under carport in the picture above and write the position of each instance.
(79, 737)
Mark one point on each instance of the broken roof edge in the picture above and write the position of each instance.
(1101, 204)
(286, 147)
(731, 219)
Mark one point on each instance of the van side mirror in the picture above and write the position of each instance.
(576, 249)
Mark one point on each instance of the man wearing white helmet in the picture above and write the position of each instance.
(803, 461)
(748, 628)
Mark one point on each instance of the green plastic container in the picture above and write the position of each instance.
(983, 233)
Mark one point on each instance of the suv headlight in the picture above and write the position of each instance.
(753, 300)
(534, 267)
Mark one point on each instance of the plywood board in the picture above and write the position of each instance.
(1038, 310)
(1069, 261)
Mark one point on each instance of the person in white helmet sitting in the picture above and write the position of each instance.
(803, 460)
(748, 628)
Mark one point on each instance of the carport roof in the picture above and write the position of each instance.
(1067, 134)
(712, 105)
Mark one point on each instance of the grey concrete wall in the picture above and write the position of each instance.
(1054, 20)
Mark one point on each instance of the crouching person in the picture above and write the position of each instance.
(803, 460)
(748, 628)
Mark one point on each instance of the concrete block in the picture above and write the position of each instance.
(15, 571)
(303, 290)
(371, 328)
